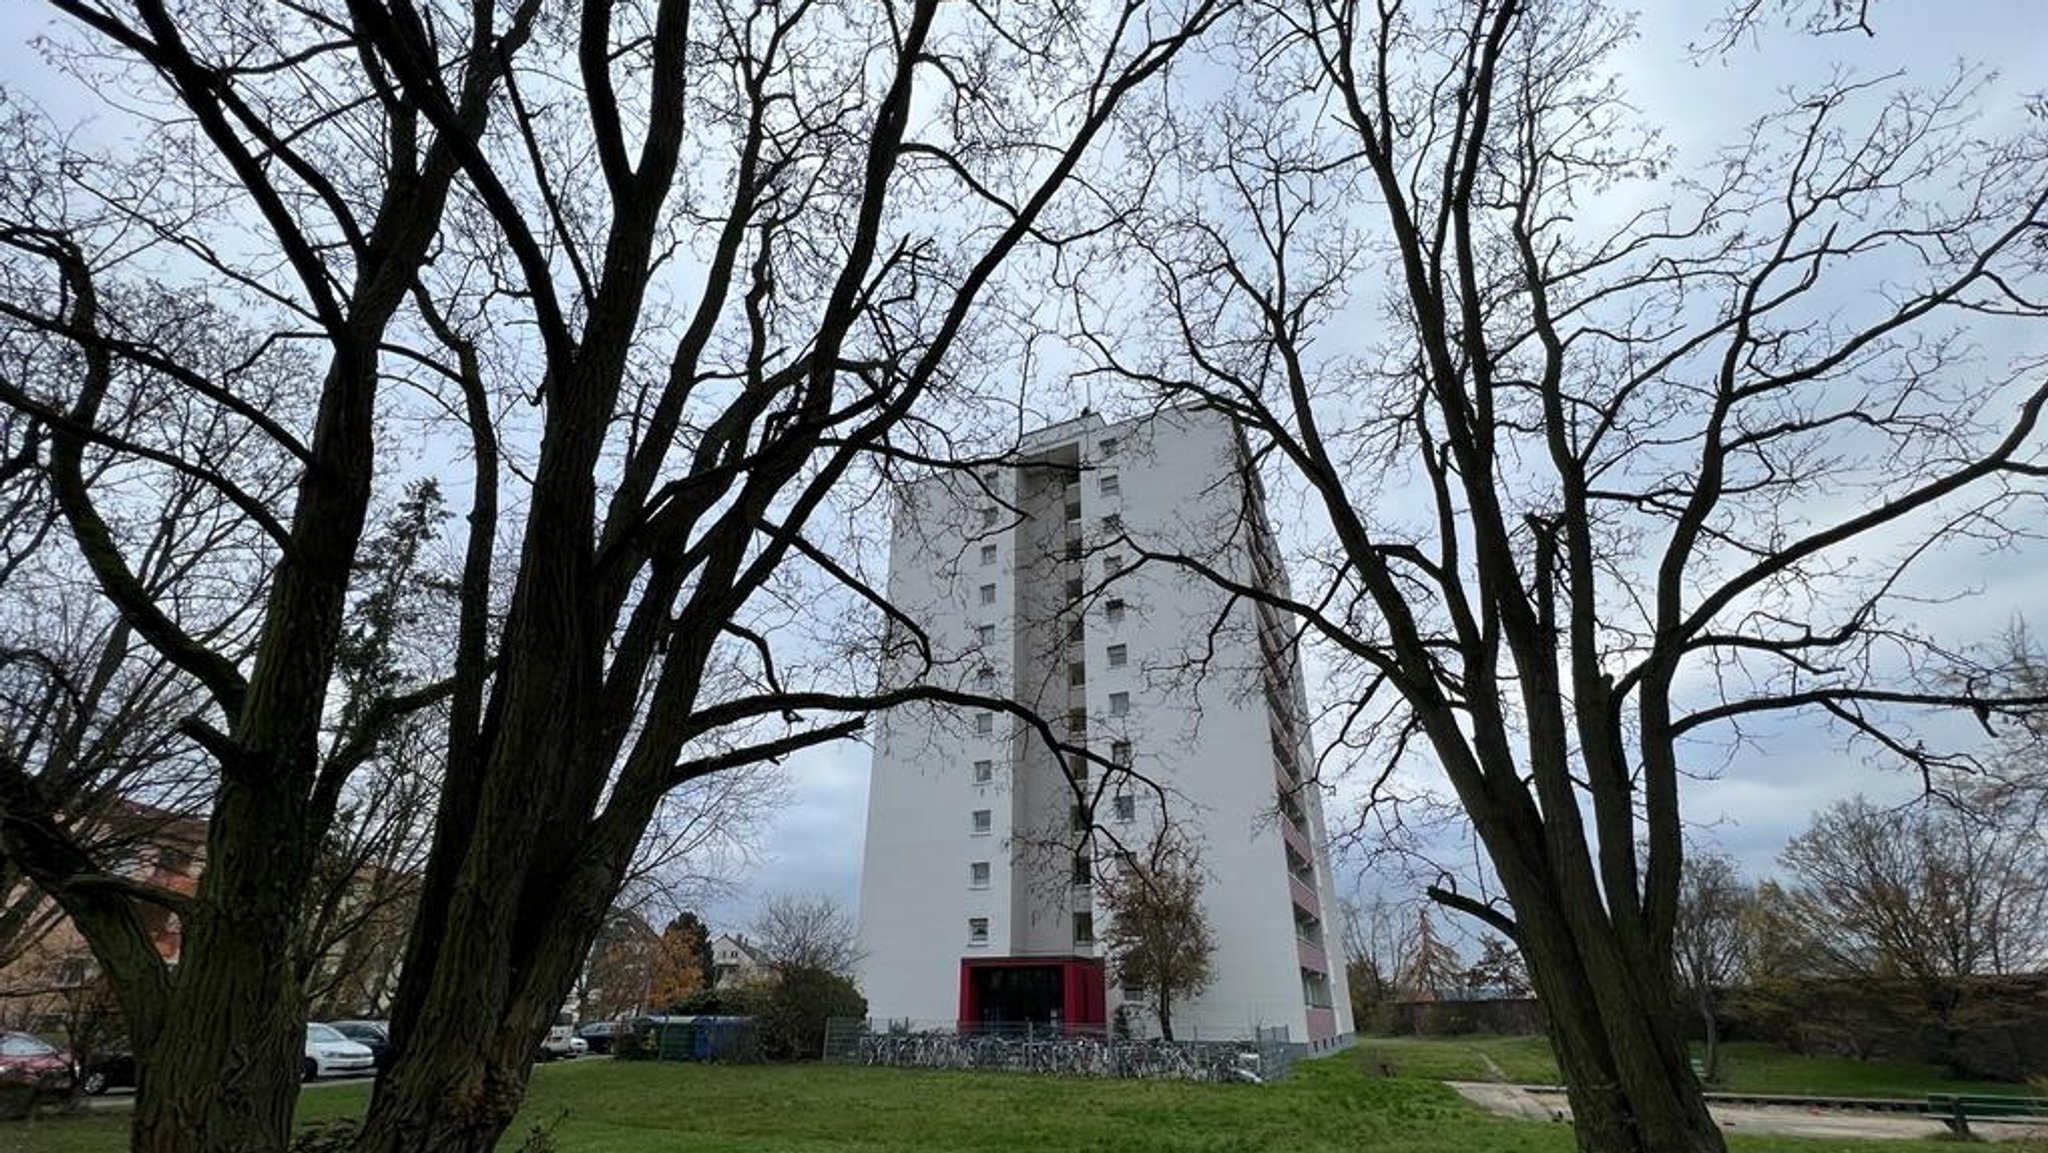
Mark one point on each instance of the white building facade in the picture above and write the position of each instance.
(979, 900)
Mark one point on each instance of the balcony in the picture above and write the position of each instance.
(1304, 897)
(1296, 838)
(1310, 954)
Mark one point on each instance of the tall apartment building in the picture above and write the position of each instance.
(979, 893)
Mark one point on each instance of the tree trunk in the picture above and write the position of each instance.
(1165, 1015)
(1618, 1045)
(1710, 1062)
(223, 1072)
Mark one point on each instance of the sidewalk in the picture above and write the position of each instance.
(1549, 1105)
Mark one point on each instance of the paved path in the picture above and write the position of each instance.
(1541, 1105)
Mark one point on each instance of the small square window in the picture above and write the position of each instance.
(1112, 564)
(985, 634)
(1084, 928)
(1073, 590)
(977, 875)
(1126, 806)
(977, 930)
(986, 678)
(1077, 767)
(1108, 446)
(1119, 656)
(988, 516)
(1120, 753)
(984, 772)
(1113, 610)
(1077, 819)
(984, 820)
(1110, 485)
(1112, 524)
(985, 725)
(1119, 704)
(988, 554)
(1084, 870)
(1076, 631)
(1077, 674)
(1077, 722)
(988, 594)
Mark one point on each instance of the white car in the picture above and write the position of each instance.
(328, 1053)
(560, 1046)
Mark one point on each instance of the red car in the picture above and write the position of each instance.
(24, 1060)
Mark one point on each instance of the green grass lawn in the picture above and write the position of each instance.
(1746, 1067)
(1328, 1105)
(1753, 1068)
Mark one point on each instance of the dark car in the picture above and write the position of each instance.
(104, 1071)
(374, 1034)
(603, 1036)
(37, 1064)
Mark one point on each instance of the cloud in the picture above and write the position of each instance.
(814, 845)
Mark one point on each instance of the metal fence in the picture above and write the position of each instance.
(1061, 1051)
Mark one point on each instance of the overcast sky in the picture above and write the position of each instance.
(1765, 793)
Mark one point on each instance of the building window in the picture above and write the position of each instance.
(1108, 446)
(977, 930)
(1120, 753)
(985, 634)
(1077, 674)
(983, 821)
(1076, 631)
(986, 678)
(1084, 870)
(1113, 610)
(988, 554)
(1126, 806)
(988, 594)
(1077, 818)
(985, 724)
(1074, 590)
(1084, 928)
(988, 516)
(984, 772)
(1119, 704)
(1110, 485)
(977, 875)
(1077, 722)
(1112, 564)
(1119, 656)
(1077, 767)
(1112, 524)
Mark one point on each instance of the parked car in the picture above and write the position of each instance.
(562, 1040)
(558, 1046)
(109, 1070)
(603, 1036)
(35, 1063)
(373, 1035)
(328, 1053)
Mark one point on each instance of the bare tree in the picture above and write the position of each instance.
(1372, 958)
(1926, 891)
(1710, 941)
(807, 932)
(1430, 966)
(684, 286)
(1625, 462)
(1158, 937)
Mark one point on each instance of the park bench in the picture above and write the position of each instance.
(1957, 1110)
